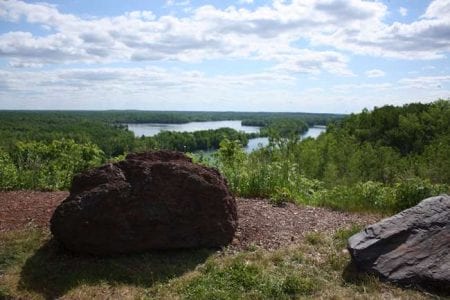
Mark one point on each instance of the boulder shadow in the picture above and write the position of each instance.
(353, 275)
(52, 271)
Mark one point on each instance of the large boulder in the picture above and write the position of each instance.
(152, 200)
(412, 247)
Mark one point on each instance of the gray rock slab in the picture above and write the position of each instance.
(411, 247)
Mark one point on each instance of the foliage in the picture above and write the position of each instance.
(407, 129)
(190, 141)
(411, 191)
(284, 128)
(350, 168)
(378, 197)
(107, 129)
(8, 172)
(28, 138)
(37, 165)
(384, 160)
(264, 173)
(27, 126)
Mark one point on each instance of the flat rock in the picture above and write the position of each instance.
(412, 247)
(152, 200)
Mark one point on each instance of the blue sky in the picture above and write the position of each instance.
(336, 56)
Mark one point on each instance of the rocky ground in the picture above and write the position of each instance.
(270, 227)
(260, 223)
(20, 209)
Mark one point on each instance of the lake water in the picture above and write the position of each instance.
(256, 143)
(151, 129)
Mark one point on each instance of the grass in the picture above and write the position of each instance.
(32, 266)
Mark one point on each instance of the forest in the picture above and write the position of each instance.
(382, 160)
(108, 131)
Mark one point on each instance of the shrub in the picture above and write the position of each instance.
(8, 172)
(411, 191)
(38, 165)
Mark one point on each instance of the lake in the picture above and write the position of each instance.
(151, 129)
(259, 142)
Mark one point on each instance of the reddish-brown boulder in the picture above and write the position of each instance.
(152, 200)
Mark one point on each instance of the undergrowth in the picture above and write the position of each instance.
(279, 173)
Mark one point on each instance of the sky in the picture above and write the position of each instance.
(334, 56)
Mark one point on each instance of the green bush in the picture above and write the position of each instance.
(411, 191)
(266, 173)
(46, 166)
(275, 174)
(8, 172)
(379, 197)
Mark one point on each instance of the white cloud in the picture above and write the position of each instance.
(425, 82)
(245, 1)
(375, 73)
(178, 3)
(313, 62)
(438, 9)
(265, 33)
(131, 79)
(403, 11)
(207, 33)
(140, 88)
(164, 89)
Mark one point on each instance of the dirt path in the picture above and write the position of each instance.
(260, 223)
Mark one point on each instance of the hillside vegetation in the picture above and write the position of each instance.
(384, 160)
(44, 149)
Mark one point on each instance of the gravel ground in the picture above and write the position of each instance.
(270, 227)
(260, 223)
(20, 209)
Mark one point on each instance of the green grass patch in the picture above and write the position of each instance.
(16, 247)
(314, 238)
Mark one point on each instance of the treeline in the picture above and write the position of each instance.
(174, 117)
(113, 139)
(108, 131)
(357, 164)
(248, 118)
(408, 129)
(190, 141)
(286, 128)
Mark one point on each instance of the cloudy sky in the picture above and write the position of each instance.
(242, 55)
